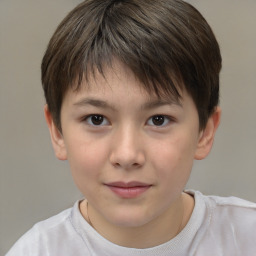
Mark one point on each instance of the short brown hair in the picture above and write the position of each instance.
(161, 41)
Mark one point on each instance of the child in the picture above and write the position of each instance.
(132, 91)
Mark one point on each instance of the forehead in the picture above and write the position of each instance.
(118, 78)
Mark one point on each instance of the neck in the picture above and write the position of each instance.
(160, 230)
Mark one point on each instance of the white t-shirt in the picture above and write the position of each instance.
(218, 226)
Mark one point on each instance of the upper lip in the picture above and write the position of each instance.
(131, 184)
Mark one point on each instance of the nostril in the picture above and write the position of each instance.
(127, 157)
(116, 164)
(127, 166)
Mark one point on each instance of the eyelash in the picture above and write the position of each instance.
(105, 122)
(88, 120)
(166, 121)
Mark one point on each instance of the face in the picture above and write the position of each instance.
(130, 153)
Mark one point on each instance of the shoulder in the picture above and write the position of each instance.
(220, 205)
(37, 240)
(230, 224)
(232, 208)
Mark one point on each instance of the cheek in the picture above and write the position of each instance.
(174, 160)
(86, 160)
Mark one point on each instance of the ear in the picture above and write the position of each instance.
(206, 137)
(56, 136)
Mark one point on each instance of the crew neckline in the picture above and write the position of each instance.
(177, 246)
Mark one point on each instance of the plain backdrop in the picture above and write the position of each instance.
(34, 185)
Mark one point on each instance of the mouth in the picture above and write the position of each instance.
(128, 190)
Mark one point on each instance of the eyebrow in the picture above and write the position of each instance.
(103, 104)
(94, 102)
(160, 103)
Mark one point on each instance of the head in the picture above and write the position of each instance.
(167, 44)
(132, 92)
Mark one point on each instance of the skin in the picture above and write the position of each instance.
(128, 145)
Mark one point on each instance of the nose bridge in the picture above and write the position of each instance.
(127, 147)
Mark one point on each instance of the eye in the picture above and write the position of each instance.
(158, 120)
(96, 120)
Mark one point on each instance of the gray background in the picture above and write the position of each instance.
(34, 185)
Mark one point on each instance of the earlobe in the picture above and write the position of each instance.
(206, 137)
(56, 136)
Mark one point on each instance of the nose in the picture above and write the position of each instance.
(127, 149)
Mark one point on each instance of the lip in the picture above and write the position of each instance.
(127, 190)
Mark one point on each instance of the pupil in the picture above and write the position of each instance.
(97, 120)
(158, 120)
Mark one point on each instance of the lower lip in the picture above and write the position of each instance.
(131, 192)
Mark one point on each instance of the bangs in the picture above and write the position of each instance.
(131, 38)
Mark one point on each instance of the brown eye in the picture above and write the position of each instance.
(97, 120)
(158, 120)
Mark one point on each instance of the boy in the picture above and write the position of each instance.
(132, 91)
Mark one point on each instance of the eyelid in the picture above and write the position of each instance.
(86, 118)
(168, 119)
